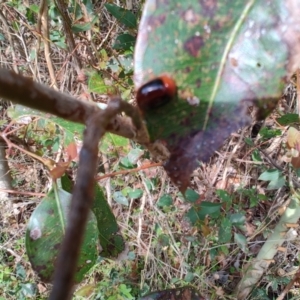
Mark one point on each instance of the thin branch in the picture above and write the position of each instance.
(143, 167)
(289, 286)
(23, 193)
(82, 199)
(25, 91)
(47, 50)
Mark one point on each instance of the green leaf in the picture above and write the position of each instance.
(165, 200)
(198, 213)
(124, 42)
(221, 56)
(241, 242)
(124, 16)
(237, 219)
(34, 7)
(76, 28)
(277, 184)
(288, 119)
(66, 183)
(20, 271)
(30, 16)
(135, 194)
(189, 277)
(112, 244)
(270, 175)
(163, 240)
(225, 231)
(191, 195)
(224, 196)
(268, 133)
(277, 180)
(112, 140)
(249, 142)
(126, 163)
(256, 155)
(120, 198)
(134, 155)
(29, 290)
(122, 61)
(82, 27)
(97, 85)
(45, 231)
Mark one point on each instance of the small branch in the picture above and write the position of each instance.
(67, 23)
(25, 91)
(289, 286)
(23, 193)
(82, 199)
(45, 32)
(146, 166)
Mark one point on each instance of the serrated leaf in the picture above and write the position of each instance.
(221, 55)
(97, 85)
(225, 231)
(165, 200)
(241, 242)
(191, 195)
(199, 212)
(124, 16)
(256, 155)
(45, 231)
(122, 61)
(224, 196)
(124, 42)
(135, 194)
(237, 219)
(288, 119)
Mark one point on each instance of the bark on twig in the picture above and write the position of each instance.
(82, 198)
(25, 91)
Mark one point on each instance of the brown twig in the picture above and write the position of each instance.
(23, 193)
(83, 196)
(63, 9)
(146, 166)
(45, 33)
(23, 90)
(289, 286)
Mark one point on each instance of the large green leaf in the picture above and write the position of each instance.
(45, 231)
(111, 242)
(224, 56)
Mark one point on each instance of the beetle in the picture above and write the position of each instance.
(156, 93)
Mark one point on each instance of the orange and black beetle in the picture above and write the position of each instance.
(156, 93)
